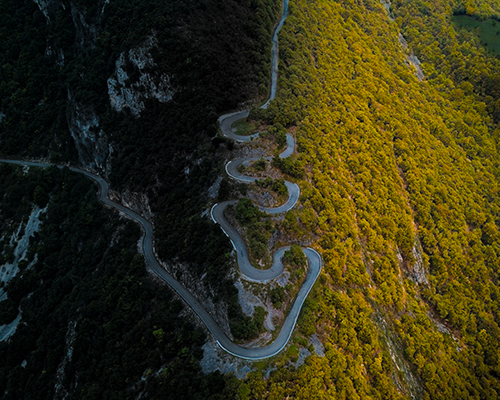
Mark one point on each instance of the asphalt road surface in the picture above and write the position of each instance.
(314, 259)
(147, 249)
(217, 214)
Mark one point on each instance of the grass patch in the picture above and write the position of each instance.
(243, 127)
(488, 30)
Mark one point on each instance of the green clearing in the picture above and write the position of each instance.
(243, 127)
(488, 30)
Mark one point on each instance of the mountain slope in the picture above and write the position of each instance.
(401, 192)
(400, 183)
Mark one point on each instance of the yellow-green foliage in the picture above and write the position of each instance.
(394, 165)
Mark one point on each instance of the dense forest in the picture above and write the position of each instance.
(56, 58)
(94, 324)
(401, 192)
(55, 63)
(399, 186)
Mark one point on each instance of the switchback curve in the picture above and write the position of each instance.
(150, 259)
(314, 259)
(217, 213)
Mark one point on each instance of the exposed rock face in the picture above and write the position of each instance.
(104, 6)
(20, 245)
(200, 289)
(94, 152)
(387, 5)
(6, 331)
(404, 377)
(248, 301)
(90, 141)
(412, 59)
(85, 33)
(213, 191)
(8, 271)
(416, 270)
(124, 93)
(44, 6)
(319, 348)
(139, 202)
(417, 273)
(204, 294)
(216, 359)
(60, 391)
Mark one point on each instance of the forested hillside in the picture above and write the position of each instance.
(399, 181)
(401, 192)
(133, 90)
(94, 325)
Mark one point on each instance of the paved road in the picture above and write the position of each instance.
(314, 259)
(290, 146)
(227, 120)
(152, 262)
(246, 268)
(293, 188)
(274, 56)
(217, 214)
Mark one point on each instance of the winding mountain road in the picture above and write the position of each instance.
(152, 262)
(227, 120)
(293, 188)
(217, 212)
(314, 259)
(274, 56)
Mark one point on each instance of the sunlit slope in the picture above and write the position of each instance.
(402, 193)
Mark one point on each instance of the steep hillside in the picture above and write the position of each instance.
(401, 193)
(395, 112)
(91, 323)
(132, 91)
